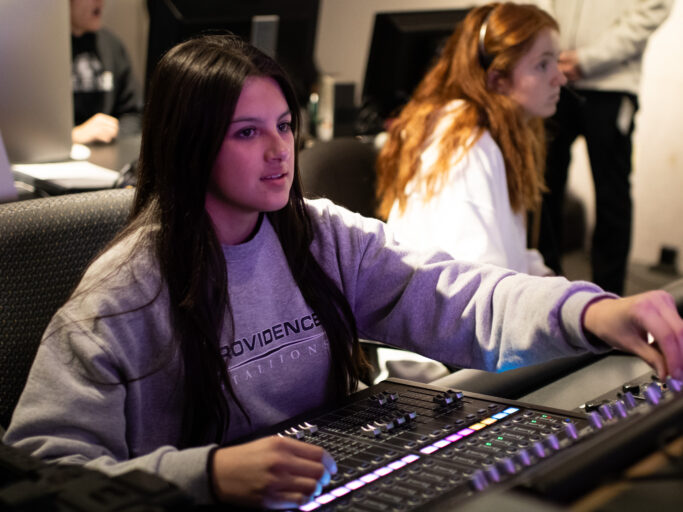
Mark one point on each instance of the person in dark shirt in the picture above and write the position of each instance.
(107, 102)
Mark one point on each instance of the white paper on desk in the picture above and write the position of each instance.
(8, 191)
(76, 172)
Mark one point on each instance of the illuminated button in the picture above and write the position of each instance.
(510, 410)
(410, 458)
(355, 484)
(369, 477)
(309, 506)
(465, 432)
(339, 491)
(397, 464)
(429, 449)
(477, 426)
(500, 415)
(453, 437)
(489, 421)
(325, 498)
(383, 471)
(441, 444)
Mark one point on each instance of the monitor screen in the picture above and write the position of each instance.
(294, 22)
(36, 103)
(404, 46)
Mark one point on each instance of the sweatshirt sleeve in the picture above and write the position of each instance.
(625, 39)
(463, 314)
(73, 410)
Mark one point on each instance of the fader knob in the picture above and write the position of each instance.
(595, 420)
(553, 442)
(629, 400)
(508, 465)
(539, 450)
(653, 394)
(570, 430)
(674, 384)
(492, 474)
(478, 480)
(524, 457)
(606, 411)
(619, 408)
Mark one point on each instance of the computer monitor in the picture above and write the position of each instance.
(36, 102)
(294, 21)
(404, 46)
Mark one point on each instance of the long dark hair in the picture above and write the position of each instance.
(192, 99)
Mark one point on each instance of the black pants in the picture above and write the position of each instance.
(605, 119)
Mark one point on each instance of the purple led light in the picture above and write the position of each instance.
(340, 491)
(354, 484)
(442, 443)
(453, 438)
(397, 464)
(325, 498)
(370, 477)
(410, 458)
(465, 432)
(384, 471)
(309, 506)
(428, 449)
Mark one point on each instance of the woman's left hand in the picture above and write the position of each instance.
(626, 324)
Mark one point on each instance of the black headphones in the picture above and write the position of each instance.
(485, 58)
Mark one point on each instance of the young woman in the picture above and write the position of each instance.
(229, 303)
(463, 163)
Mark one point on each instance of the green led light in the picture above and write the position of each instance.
(488, 444)
(499, 437)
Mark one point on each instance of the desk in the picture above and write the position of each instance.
(112, 156)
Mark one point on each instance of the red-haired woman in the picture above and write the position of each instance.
(463, 163)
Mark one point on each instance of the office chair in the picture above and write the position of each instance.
(45, 246)
(342, 170)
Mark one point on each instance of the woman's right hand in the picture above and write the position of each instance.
(273, 472)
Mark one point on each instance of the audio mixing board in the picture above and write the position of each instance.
(406, 446)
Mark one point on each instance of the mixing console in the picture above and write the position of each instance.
(405, 446)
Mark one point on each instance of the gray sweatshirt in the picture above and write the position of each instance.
(75, 408)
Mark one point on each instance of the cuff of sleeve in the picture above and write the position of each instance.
(209, 474)
(573, 312)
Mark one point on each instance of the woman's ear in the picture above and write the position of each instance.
(496, 82)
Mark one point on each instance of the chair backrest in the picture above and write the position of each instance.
(342, 170)
(45, 245)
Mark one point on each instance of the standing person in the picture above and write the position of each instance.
(603, 44)
(464, 161)
(229, 303)
(106, 98)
